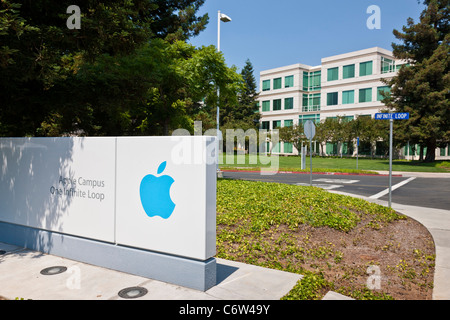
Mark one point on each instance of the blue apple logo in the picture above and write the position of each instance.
(155, 194)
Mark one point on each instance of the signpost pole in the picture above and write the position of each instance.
(391, 117)
(357, 151)
(310, 132)
(310, 162)
(391, 122)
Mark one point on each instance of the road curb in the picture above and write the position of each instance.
(324, 173)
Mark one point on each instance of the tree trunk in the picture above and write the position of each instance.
(431, 151)
(166, 127)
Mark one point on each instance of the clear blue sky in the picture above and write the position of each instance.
(278, 33)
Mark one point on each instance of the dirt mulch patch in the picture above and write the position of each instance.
(395, 258)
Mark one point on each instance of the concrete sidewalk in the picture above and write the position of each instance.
(20, 277)
(418, 174)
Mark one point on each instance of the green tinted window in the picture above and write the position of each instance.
(333, 74)
(277, 83)
(348, 71)
(266, 85)
(387, 65)
(276, 124)
(313, 117)
(365, 95)
(276, 104)
(386, 89)
(266, 105)
(288, 123)
(348, 97)
(365, 68)
(332, 98)
(288, 147)
(288, 103)
(289, 81)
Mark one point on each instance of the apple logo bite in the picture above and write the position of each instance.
(155, 194)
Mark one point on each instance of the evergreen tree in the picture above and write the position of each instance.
(247, 101)
(422, 87)
(245, 112)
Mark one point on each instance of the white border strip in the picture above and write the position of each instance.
(386, 191)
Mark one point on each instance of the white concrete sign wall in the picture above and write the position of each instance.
(164, 203)
(59, 184)
(141, 192)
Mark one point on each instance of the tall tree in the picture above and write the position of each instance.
(247, 108)
(423, 87)
(40, 58)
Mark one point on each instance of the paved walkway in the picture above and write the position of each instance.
(20, 277)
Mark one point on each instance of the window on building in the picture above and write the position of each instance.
(311, 102)
(347, 118)
(365, 95)
(387, 65)
(385, 89)
(399, 66)
(348, 71)
(277, 83)
(276, 147)
(289, 81)
(266, 105)
(333, 74)
(276, 124)
(288, 123)
(332, 98)
(311, 81)
(288, 103)
(265, 125)
(305, 117)
(276, 104)
(287, 147)
(266, 85)
(348, 97)
(365, 68)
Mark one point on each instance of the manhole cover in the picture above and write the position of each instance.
(132, 292)
(53, 270)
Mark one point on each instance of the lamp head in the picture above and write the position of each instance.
(224, 18)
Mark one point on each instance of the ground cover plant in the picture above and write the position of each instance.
(337, 242)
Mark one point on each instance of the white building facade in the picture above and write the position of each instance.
(347, 85)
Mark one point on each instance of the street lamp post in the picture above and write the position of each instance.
(224, 18)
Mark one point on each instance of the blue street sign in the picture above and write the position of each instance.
(394, 116)
(357, 141)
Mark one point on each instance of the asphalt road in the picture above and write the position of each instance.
(415, 191)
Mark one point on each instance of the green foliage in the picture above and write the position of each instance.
(310, 287)
(258, 223)
(423, 87)
(128, 70)
(267, 204)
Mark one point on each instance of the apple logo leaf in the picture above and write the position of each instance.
(155, 194)
(161, 167)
